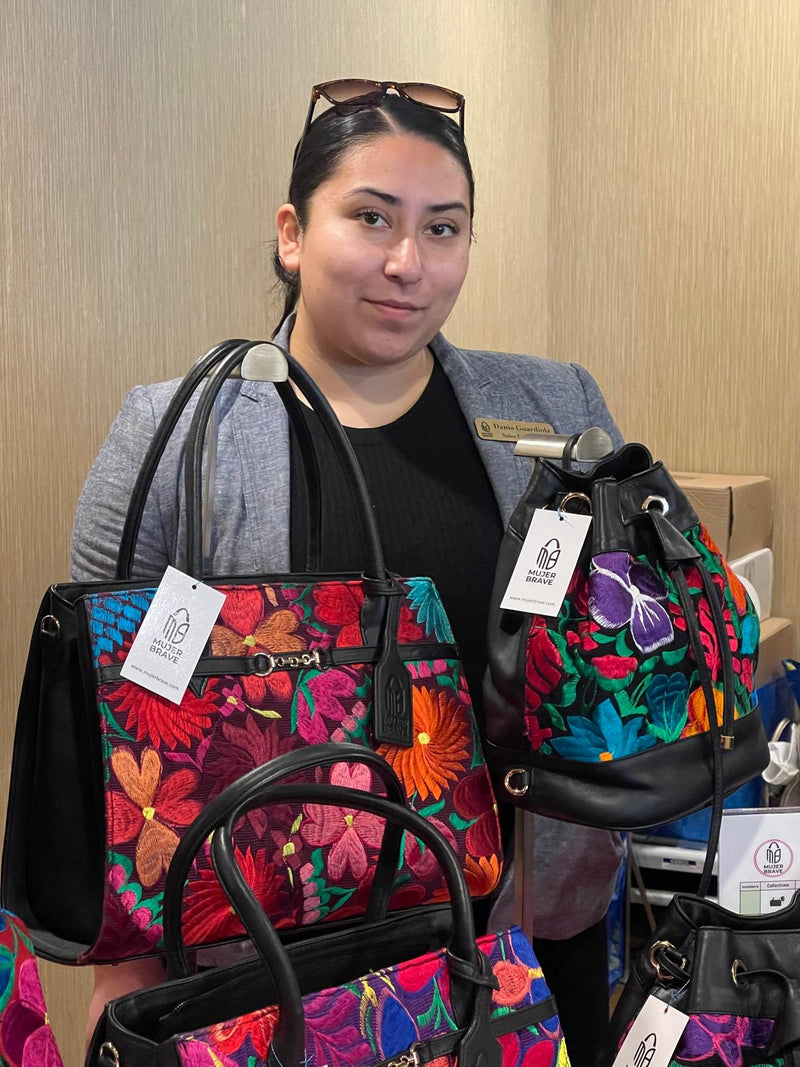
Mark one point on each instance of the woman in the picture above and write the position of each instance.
(373, 247)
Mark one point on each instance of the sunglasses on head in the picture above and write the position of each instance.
(356, 93)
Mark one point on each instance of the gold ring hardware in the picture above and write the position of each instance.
(49, 626)
(584, 499)
(651, 501)
(663, 976)
(515, 790)
(283, 661)
(107, 1049)
(736, 969)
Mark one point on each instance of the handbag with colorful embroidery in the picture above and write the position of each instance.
(736, 977)
(107, 775)
(633, 704)
(26, 1039)
(356, 1001)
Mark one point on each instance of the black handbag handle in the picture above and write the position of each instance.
(471, 977)
(166, 427)
(252, 784)
(374, 566)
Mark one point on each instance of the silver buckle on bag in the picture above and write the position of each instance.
(265, 663)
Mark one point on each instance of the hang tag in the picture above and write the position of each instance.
(546, 562)
(654, 1036)
(173, 634)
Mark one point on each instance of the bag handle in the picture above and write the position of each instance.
(252, 784)
(374, 567)
(471, 977)
(166, 427)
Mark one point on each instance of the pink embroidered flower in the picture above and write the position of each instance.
(25, 1033)
(346, 830)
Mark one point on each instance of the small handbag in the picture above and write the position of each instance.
(344, 1001)
(601, 714)
(26, 1039)
(107, 776)
(737, 977)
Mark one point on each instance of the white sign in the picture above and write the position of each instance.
(546, 562)
(653, 1037)
(173, 634)
(759, 859)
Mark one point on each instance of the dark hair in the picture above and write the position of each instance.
(339, 130)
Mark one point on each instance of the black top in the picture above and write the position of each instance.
(436, 511)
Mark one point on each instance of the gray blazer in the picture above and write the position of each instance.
(251, 532)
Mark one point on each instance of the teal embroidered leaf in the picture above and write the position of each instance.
(428, 609)
(667, 698)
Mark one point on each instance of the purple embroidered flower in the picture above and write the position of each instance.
(723, 1038)
(624, 592)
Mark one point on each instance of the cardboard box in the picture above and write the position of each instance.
(777, 644)
(736, 508)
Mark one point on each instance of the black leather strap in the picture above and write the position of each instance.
(251, 785)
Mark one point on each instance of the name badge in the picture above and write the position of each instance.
(653, 1037)
(508, 429)
(546, 562)
(173, 634)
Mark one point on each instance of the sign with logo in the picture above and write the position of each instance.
(758, 869)
(508, 429)
(654, 1036)
(546, 562)
(173, 634)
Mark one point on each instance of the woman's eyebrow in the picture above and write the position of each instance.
(394, 201)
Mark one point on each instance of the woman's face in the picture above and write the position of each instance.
(384, 252)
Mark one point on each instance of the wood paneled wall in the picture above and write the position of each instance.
(675, 231)
(144, 148)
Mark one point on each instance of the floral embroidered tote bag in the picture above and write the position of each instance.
(364, 1000)
(632, 703)
(107, 775)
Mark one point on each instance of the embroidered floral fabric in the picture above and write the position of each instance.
(26, 1039)
(726, 1041)
(164, 762)
(614, 674)
(378, 1017)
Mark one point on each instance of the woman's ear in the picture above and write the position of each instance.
(289, 237)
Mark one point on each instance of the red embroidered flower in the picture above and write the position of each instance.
(339, 604)
(473, 799)
(208, 915)
(615, 666)
(259, 1026)
(543, 667)
(156, 720)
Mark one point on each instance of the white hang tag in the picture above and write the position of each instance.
(546, 562)
(173, 634)
(653, 1037)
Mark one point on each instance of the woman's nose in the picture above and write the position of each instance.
(403, 261)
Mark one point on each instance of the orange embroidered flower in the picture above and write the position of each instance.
(248, 626)
(515, 982)
(132, 814)
(698, 712)
(441, 736)
(482, 874)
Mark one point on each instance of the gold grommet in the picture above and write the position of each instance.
(107, 1049)
(576, 496)
(736, 969)
(515, 790)
(663, 976)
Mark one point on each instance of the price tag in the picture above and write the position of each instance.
(546, 562)
(653, 1037)
(173, 634)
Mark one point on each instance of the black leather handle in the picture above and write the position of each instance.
(164, 430)
(466, 964)
(166, 427)
(253, 783)
(374, 566)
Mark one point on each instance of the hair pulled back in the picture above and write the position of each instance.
(341, 129)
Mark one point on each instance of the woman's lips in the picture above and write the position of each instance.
(395, 309)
